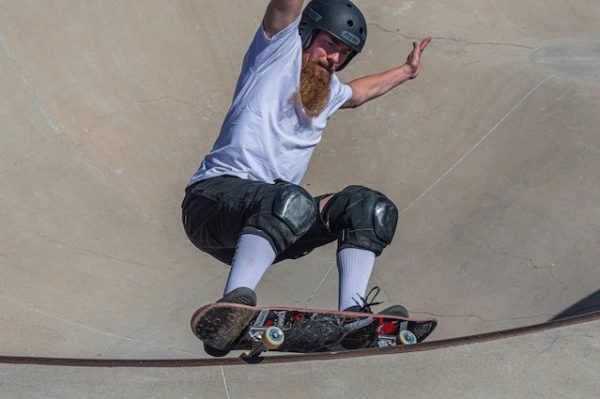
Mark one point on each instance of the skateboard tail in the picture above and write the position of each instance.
(220, 327)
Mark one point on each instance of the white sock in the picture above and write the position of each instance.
(253, 256)
(355, 267)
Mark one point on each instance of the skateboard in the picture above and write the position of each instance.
(228, 326)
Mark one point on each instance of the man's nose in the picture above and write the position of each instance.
(334, 57)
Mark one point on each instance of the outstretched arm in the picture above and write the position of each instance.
(372, 86)
(281, 13)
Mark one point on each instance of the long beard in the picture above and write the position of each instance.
(314, 88)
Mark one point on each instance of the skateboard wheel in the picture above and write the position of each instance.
(273, 337)
(407, 338)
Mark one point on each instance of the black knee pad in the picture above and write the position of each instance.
(285, 214)
(385, 218)
(296, 208)
(362, 218)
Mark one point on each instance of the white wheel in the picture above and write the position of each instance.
(273, 337)
(407, 338)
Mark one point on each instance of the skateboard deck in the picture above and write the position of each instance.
(228, 326)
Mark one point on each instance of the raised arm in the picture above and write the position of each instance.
(281, 13)
(369, 87)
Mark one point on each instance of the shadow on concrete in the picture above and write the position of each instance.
(587, 305)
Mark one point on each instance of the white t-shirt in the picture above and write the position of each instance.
(266, 135)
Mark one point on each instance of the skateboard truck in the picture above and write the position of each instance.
(264, 339)
(404, 337)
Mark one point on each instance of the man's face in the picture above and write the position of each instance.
(319, 61)
(327, 51)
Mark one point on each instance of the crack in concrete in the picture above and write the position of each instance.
(550, 269)
(475, 316)
(452, 39)
(506, 253)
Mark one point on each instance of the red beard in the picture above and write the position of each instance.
(314, 88)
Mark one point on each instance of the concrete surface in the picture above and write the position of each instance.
(556, 363)
(492, 155)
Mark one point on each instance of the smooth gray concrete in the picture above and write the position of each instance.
(492, 156)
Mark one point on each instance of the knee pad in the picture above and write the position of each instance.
(285, 214)
(362, 217)
(296, 208)
(385, 218)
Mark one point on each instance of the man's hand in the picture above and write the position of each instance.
(413, 61)
(372, 86)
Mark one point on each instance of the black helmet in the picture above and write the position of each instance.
(340, 18)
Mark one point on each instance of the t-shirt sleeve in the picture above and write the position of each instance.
(264, 49)
(340, 94)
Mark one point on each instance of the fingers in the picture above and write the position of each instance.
(425, 42)
(420, 47)
(414, 58)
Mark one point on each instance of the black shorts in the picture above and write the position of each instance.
(215, 212)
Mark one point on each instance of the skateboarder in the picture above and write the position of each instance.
(244, 205)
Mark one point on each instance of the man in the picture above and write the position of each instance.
(244, 205)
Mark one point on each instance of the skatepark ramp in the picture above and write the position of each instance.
(557, 359)
(492, 156)
(591, 319)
